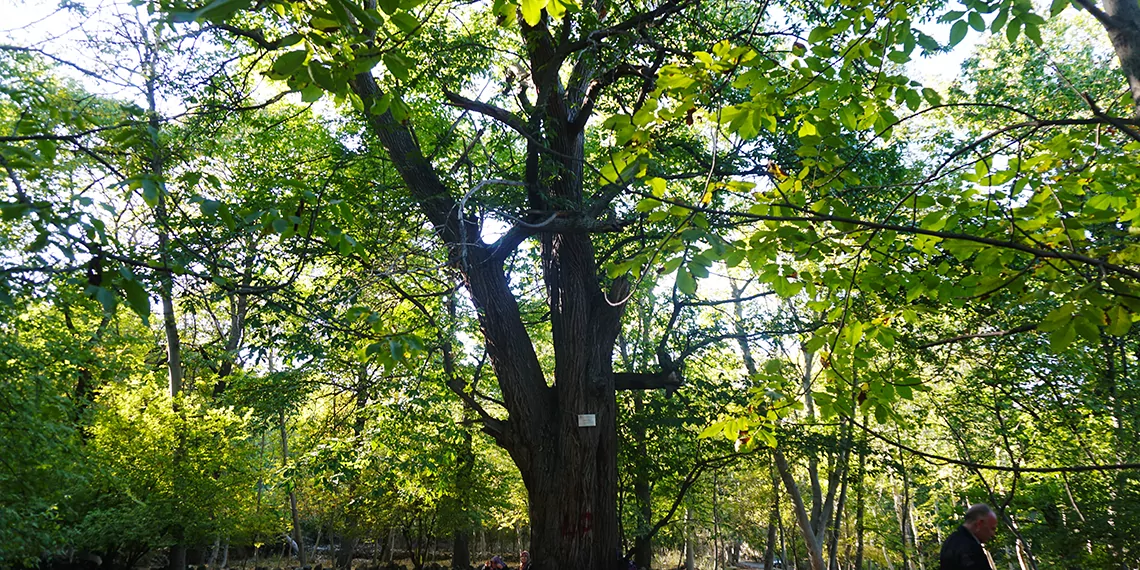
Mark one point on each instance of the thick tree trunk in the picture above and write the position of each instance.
(1121, 19)
(563, 436)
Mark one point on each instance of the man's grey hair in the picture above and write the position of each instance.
(978, 512)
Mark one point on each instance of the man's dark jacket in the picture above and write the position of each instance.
(962, 551)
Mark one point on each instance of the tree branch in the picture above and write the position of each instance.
(931, 457)
(661, 12)
(1013, 331)
(690, 479)
(1097, 13)
(505, 117)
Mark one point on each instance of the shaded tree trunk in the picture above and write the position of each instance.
(1121, 20)
(860, 506)
(690, 554)
(298, 537)
(814, 548)
(155, 173)
(773, 521)
(833, 548)
(642, 543)
(465, 456)
(570, 470)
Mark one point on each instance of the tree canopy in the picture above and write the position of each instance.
(615, 279)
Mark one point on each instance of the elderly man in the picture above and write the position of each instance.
(964, 549)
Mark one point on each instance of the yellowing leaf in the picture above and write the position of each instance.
(532, 11)
(556, 9)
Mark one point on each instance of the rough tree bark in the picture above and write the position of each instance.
(1121, 20)
(570, 472)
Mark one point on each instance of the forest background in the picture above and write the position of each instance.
(686, 283)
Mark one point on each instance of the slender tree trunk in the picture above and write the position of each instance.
(902, 504)
(900, 519)
(690, 556)
(461, 538)
(860, 506)
(716, 524)
(815, 552)
(465, 457)
(239, 308)
(784, 545)
(298, 537)
(642, 542)
(154, 178)
(914, 540)
(833, 549)
(773, 520)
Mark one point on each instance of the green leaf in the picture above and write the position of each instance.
(106, 297)
(137, 298)
(381, 104)
(928, 43)
(816, 342)
(1061, 338)
(150, 192)
(1057, 318)
(951, 16)
(958, 32)
(898, 56)
(13, 210)
(322, 75)
(288, 63)
(1058, 6)
(396, 65)
(1033, 33)
(406, 22)
(713, 430)
(686, 283)
(325, 24)
(389, 6)
(311, 93)
(556, 9)
(647, 205)
(220, 10)
(1119, 320)
(976, 21)
(1012, 31)
(400, 110)
(882, 414)
(1087, 329)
